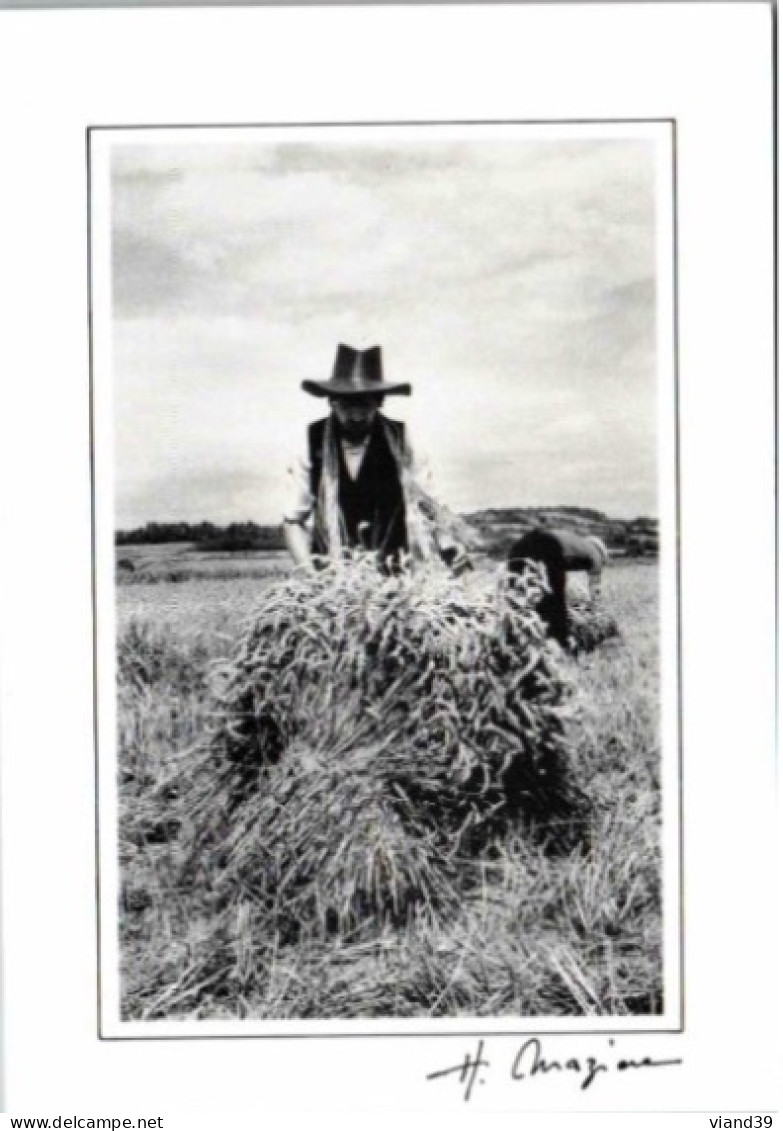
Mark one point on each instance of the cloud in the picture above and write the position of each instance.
(340, 222)
(512, 282)
(220, 494)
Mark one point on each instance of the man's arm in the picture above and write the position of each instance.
(297, 542)
(298, 513)
(600, 556)
(448, 539)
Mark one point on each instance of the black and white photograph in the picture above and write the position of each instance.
(389, 408)
(388, 618)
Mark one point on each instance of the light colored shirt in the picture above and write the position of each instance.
(300, 502)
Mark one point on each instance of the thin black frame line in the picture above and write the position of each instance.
(776, 363)
(614, 1034)
(402, 122)
(94, 593)
(678, 562)
(671, 122)
(152, 5)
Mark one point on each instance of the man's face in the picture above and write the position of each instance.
(355, 414)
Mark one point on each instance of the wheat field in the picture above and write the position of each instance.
(540, 926)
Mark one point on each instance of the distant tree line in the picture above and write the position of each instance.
(498, 528)
(512, 514)
(501, 527)
(205, 535)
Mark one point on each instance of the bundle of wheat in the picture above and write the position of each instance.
(590, 625)
(371, 729)
(330, 845)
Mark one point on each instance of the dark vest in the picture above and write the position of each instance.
(372, 506)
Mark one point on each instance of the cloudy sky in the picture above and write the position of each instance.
(511, 280)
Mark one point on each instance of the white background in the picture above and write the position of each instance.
(708, 66)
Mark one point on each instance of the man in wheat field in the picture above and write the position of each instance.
(560, 552)
(359, 485)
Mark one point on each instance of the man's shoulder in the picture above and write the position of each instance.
(316, 435)
(396, 426)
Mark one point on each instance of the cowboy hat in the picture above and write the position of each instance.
(356, 373)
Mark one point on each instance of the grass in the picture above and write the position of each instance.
(526, 930)
(175, 563)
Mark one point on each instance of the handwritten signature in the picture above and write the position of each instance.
(529, 1062)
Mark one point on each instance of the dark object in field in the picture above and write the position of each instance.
(590, 626)
(374, 731)
(161, 832)
(560, 552)
(544, 547)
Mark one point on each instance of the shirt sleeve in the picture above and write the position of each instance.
(419, 465)
(421, 470)
(300, 503)
(438, 515)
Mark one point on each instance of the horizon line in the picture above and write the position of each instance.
(575, 507)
